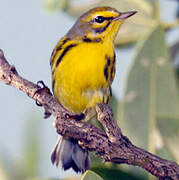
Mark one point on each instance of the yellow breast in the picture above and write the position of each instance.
(83, 76)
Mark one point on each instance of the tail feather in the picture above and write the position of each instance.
(66, 153)
(70, 155)
(81, 158)
(56, 152)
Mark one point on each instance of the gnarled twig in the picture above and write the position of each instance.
(111, 145)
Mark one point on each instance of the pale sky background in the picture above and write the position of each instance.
(28, 34)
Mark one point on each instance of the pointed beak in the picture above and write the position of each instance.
(125, 15)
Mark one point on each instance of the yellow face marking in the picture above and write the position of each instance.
(102, 13)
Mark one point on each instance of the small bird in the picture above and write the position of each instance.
(83, 68)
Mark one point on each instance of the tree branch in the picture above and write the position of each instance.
(110, 145)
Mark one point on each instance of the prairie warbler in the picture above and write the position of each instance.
(83, 68)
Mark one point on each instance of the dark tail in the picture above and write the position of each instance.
(70, 155)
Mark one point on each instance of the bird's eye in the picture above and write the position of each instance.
(99, 19)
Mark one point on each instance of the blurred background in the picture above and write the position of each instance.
(145, 89)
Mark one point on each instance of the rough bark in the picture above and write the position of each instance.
(110, 145)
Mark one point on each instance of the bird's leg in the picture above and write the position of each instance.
(43, 89)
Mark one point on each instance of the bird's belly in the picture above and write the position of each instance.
(80, 81)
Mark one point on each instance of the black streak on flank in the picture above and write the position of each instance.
(110, 90)
(114, 58)
(57, 49)
(108, 60)
(63, 42)
(106, 72)
(100, 30)
(53, 84)
(53, 71)
(106, 68)
(96, 40)
(112, 72)
(64, 52)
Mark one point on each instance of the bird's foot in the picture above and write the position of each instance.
(45, 89)
(77, 117)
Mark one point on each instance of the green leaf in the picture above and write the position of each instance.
(94, 158)
(115, 173)
(151, 95)
(169, 129)
(174, 50)
(90, 175)
(114, 105)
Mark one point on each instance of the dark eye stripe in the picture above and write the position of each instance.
(105, 18)
(100, 30)
(64, 53)
(108, 18)
(95, 40)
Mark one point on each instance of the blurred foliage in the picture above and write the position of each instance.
(145, 20)
(177, 14)
(90, 175)
(42, 179)
(27, 164)
(149, 112)
(150, 107)
(174, 49)
(31, 147)
(3, 171)
(55, 4)
(114, 173)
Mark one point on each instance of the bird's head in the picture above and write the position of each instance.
(99, 23)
